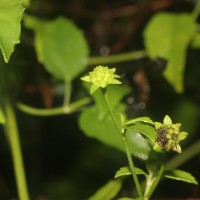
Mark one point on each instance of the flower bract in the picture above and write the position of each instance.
(101, 76)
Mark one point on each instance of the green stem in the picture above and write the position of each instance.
(156, 181)
(14, 141)
(133, 55)
(67, 94)
(124, 140)
(73, 107)
(196, 11)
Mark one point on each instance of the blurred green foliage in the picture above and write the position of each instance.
(71, 156)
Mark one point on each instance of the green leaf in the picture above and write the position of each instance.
(115, 93)
(108, 191)
(138, 145)
(167, 36)
(144, 129)
(102, 130)
(140, 119)
(125, 171)
(195, 43)
(61, 46)
(95, 122)
(180, 175)
(2, 117)
(11, 12)
(39, 27)
(105, 131)
(127, 198)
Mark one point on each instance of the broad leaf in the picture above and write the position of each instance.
(11, 12)
(167, 36)
(105, 131)
(102, 130)
(108, 191)
(180, 175)
(61, 47)
(144, 129)
(95, 122)
(125, 171)
(195, 43)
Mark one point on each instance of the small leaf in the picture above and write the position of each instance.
(144, 129)
(11, 12)
(140, 119)
(108, 191)
(125, 171)
(180, 175)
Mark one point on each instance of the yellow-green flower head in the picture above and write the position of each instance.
(101, 76)
(168, 136)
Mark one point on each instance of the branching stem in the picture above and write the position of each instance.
(156, 181)
(124, 140)
(71, 108)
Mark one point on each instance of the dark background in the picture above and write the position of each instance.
(61, 162)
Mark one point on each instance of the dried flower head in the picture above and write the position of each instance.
(101, 76)
(169, 136)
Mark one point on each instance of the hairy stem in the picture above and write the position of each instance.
(124, 140)
(12, 134)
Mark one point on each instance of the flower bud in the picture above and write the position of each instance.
(101, 76)
(168, 135)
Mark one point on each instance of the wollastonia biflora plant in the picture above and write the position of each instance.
(163, 137)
